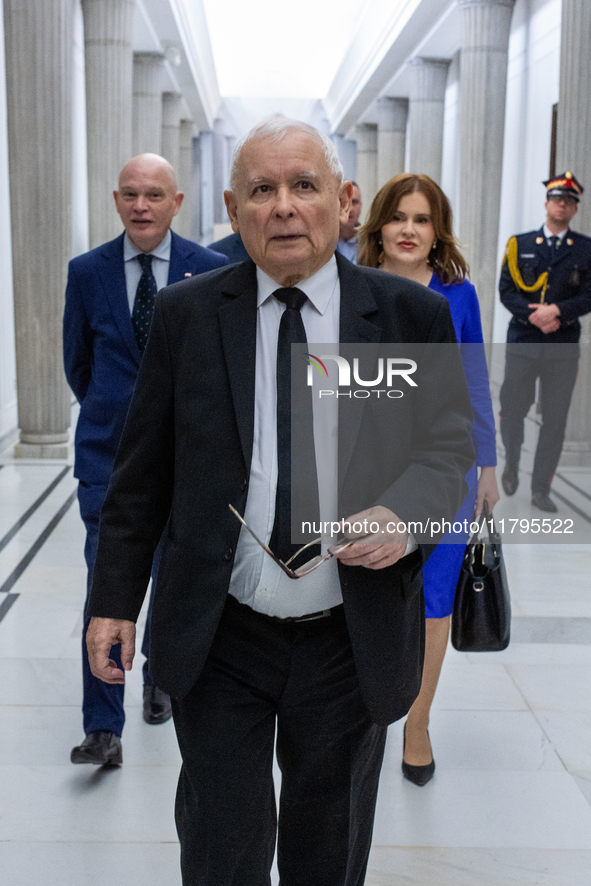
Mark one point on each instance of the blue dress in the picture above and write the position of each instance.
(443, 566)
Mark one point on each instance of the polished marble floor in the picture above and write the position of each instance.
(510, 803)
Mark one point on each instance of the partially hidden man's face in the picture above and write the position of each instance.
(287, 206)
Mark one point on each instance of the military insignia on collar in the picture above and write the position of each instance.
(569, 242)
(539, 240)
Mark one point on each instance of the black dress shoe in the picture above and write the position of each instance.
(419, 775)
(543, 502)
(99, 748)
(157, 707)
(510, 479)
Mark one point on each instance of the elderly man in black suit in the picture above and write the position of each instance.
(323, 663)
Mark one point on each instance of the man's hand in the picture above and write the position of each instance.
(101, 635)
(382, 543)
(545, 317)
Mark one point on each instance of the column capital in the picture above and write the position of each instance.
(366, 136)
(428, 78)
(392, 114)
(463, 4)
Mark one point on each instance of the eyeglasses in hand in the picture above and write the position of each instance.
(306, 568)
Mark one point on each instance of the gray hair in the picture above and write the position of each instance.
(275, 128)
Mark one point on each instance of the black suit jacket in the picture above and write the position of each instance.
(185, 455)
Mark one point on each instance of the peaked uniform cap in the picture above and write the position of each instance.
(565, 184)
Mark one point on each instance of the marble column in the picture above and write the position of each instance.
(39, 44)
(183, 223)
(206, 203)
(171, 127)
(148, 70)
(483, 85)
(221, 171)
(366, 136)
(573, 153)
(109, 66)
(428, 78)
(392, 119)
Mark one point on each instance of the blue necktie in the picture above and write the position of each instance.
(143, 306)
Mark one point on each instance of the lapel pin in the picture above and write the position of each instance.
(569, 242)
(188, 274)
(539, 240)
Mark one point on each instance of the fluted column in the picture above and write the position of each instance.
(207, 204)
(366, 136)
(148, 69)
(347, 150)
(183, 222)
(221, 167)
(573, 153)
(392, 119)
(171, 127)
(109, 64)
(483, 85)
(39, 43)
(428, 78)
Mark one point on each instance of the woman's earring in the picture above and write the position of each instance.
(434, 244)
(381, 252)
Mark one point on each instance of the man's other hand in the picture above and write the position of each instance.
(101, 635)
(383, 544)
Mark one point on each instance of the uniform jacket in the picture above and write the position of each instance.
(569, 285)
(186, 452)
(101, 356)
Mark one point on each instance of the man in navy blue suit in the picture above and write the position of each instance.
(109, 301)
(546, 284)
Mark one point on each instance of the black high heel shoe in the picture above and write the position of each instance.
(419, 775)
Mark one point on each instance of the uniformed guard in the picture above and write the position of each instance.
(546, 284)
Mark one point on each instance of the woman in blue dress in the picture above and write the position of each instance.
(409, 233)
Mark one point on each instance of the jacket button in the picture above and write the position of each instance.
(228, 554)
(244, 485)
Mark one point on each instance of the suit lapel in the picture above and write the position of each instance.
(238, 321)
(179, 259)
(564, 249)
(112, 275)
(357, 307)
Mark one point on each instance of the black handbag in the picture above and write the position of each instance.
(481, 619)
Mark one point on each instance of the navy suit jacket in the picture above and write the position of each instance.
(101, 356)
(569, 286)
(232, 246)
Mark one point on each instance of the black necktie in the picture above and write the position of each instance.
(554, 243)
(143, 306)
(305, 498)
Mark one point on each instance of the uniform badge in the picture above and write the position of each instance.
(569, 242)
(539, 240)
(188, 275)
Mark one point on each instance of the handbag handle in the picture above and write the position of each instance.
(486, 519)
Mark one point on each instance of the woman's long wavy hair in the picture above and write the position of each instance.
(445, 259)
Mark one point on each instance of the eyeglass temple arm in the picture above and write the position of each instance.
(268, 550)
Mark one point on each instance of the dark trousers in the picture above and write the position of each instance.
(102, 703)
(518, 392)
(298, 681)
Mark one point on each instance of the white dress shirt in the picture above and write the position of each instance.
(133, 269)
(256, 578)
(548, 234)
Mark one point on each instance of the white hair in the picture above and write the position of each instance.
(275, 128)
